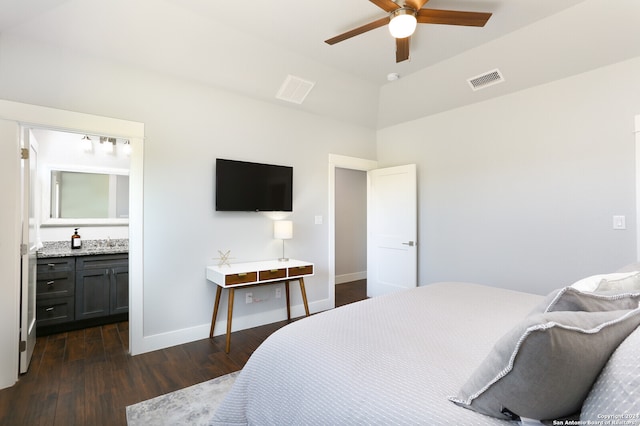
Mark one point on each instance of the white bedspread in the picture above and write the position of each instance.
(389, 360)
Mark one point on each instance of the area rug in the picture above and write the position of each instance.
(194, 405)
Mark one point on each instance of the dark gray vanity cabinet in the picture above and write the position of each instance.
(81, 291)
(55, 291)
(102, 286)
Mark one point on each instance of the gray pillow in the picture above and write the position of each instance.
(571, 299)
(616, 390)
(544, 367)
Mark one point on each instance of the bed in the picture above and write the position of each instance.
(403, 358)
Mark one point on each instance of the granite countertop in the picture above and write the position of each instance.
(89, 247)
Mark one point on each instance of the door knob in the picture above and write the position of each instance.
(410, 244)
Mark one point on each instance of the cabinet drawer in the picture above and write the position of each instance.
(54, 311)
(242, 278)
(55, 265)
(61, 284)
(101, 261)
(301, 270)
(272, 274)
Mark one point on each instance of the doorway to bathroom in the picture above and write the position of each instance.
(82, 229)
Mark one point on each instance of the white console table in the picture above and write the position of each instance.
(254, 274)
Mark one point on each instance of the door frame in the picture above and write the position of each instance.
(343, 162)
(26, 115)
(637, 146)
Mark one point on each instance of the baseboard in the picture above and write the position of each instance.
(354, 276)
(191, 334)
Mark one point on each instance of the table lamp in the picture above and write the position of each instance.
(283, 230)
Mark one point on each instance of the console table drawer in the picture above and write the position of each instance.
(301, 270)
(272, 274)
(241, 278)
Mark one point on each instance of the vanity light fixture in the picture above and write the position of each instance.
(108, 144)
(86, 144)
(126, 148)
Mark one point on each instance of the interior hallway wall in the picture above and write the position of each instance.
(351, 225)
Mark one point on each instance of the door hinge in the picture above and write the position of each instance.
(23, 346)
(23, 249)
(24, 153)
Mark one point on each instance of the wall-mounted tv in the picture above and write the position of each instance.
(245, 186)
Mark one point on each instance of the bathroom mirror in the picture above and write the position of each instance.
(86, 197)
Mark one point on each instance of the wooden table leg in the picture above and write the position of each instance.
(215, 310)
(229, 316)
(286, 292)
(304, 296)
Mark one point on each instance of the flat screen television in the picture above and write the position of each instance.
(245, 186)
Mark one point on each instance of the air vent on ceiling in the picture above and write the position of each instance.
(485, 80)
(294, 89)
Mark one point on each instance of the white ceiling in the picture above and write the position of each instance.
(300, 26)
(252, 48)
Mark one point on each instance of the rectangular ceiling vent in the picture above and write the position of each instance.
(485, 80)
(294, 89)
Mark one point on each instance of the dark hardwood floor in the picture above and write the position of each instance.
(87, 377)
(351, 292)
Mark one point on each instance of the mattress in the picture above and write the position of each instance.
(388, 360)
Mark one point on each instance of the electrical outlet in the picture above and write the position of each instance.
(278, 293)
(248, 298)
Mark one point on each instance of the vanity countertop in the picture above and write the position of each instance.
(89, 247)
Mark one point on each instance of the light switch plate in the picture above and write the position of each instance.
(318, 220)
(619, 222)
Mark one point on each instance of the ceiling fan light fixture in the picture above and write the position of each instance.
(403, 22)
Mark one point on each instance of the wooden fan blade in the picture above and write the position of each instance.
(402, 49)
(357, 31)
(416, 4)
(453, 17)
(386, 5)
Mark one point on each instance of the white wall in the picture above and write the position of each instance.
(520, 191)
(351, 225)
(187, 126)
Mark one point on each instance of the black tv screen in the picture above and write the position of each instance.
(244, 186)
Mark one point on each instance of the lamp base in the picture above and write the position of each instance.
(283, 259)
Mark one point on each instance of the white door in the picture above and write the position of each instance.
(392, 230)
(28, 251)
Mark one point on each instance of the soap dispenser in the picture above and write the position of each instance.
(76, 241)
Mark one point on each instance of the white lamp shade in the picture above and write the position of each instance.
(402, 25)
(283, 229)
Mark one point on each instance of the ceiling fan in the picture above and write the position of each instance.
(403, 19)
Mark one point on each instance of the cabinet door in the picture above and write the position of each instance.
(119, 290)
(92, 293)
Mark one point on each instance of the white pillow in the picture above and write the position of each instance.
(591, 283)
(631, 283)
